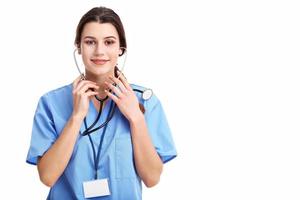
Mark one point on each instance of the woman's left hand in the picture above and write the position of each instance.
(123, 95)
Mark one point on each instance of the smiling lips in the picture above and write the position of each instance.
(99, 61)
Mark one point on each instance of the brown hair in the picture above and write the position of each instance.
(101, 15)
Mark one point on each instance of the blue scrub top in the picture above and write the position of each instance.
(116, 160)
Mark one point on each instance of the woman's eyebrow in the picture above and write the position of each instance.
(108, 37)
(91, 37)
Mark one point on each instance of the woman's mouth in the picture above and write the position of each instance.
(99, 61)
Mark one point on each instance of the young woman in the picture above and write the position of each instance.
(77, 159)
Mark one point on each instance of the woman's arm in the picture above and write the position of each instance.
(148, 164)
(53, 163)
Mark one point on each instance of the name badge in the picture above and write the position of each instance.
(96, 188)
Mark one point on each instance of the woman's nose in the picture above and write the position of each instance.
(100, 49)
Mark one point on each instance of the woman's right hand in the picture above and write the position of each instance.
(81, 96)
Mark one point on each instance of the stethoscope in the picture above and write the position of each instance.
(146, 95)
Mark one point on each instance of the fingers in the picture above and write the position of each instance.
(76, 81)
(112, 96)
(119, 83)
(114, 89)
(123, 79)
(88, 87)
(91, 93)
(85, 85)
(119, 87)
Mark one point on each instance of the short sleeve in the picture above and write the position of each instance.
(43, 132)
(159, 130)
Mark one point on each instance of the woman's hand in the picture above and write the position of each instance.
(81, 96)
(125, 98)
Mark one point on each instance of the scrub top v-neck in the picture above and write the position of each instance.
(116, 161)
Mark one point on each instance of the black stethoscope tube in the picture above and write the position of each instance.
(112, 108)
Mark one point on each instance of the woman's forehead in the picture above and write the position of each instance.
(99, 31)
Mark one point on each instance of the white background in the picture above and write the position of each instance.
(227, 73)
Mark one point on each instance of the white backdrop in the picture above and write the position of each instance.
(227, 73)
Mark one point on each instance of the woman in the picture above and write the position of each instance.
(111, 162)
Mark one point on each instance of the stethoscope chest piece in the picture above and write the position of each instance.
(147, 94)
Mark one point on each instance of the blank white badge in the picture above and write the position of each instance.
(96, 188)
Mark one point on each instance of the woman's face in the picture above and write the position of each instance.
(100, 48)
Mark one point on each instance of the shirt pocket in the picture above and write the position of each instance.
(124, 158)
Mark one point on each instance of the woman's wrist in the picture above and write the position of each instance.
(136, 118)
(76, 118)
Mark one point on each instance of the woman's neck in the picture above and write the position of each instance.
(100, 81)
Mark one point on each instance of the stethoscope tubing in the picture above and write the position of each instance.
(112, 108)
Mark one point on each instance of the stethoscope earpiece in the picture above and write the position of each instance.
(123, 51)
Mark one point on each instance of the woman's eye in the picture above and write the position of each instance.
(90, 42)
(109, 42)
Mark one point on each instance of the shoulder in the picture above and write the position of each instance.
(60, 97)
(60, 92)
